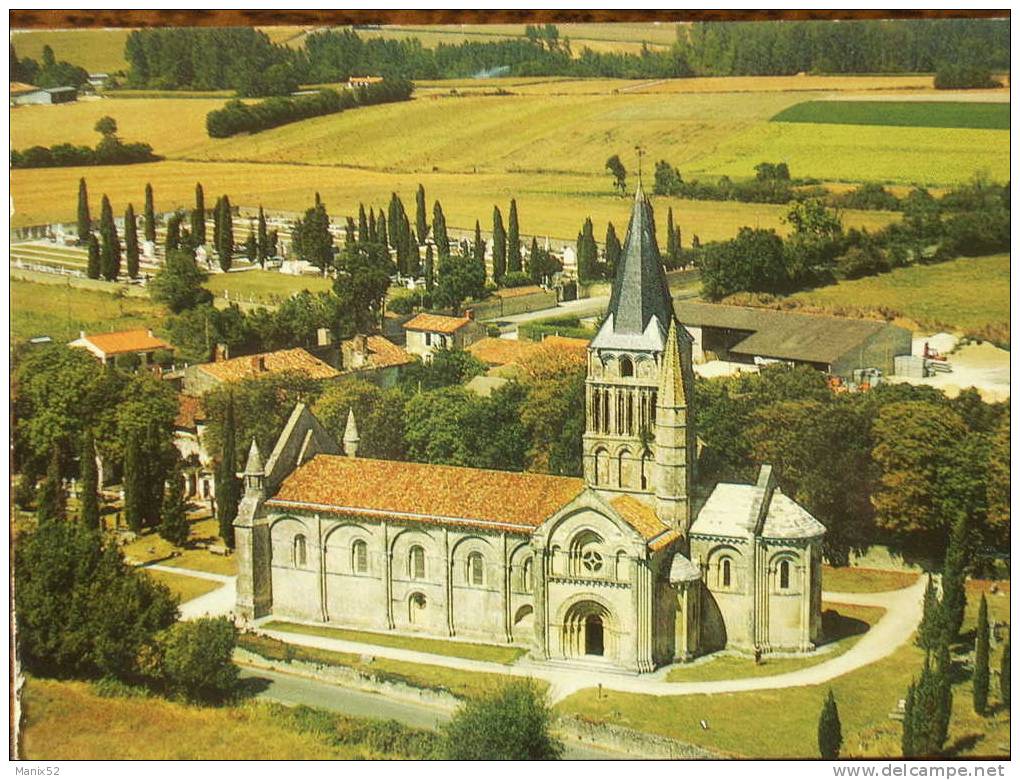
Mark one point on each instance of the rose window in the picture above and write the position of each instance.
(591, 561)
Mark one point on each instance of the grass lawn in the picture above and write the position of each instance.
(184, 587)
(978, 116)
(69, 721)
(459, 683)
(151, 547)
(264, 286)
(864, 697)
(851, 579)
(475, 652)
(61, 311)
(842, 624)
(967, 294)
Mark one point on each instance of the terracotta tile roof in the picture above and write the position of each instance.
(383, 353)
(642, 519)
(189, 411)
(422, 492)
(250, 366)
(436, 323)
(125, 341)
(500, 352)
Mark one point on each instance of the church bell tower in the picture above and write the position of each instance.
(637, 434)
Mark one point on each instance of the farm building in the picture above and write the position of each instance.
(27, 94)
(110, 346)
(835, 345)
(428, 332)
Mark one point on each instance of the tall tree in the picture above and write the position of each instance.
(672, 250)
(534, 264)
(263, 238)
(150, 215)
(225, 246)
(382, 232)
(90, 516)
(94, 266)
(439, 233)
(618, 172)
(173, 522)
(498, 246)
(228, 486)
(362, 224)
(830, 732)
(981, 671)
(954, 579)
(131, 241)
(925, 715)
(84, 220)
(173, 233)
(217, 222)
(109, 256)
(587, 253)
(430, 268)
(614, 251)
(363, 277)
(134, 487)
(420, 221)
(312, 240)
(198, 217)
(373, 233)
(479, 246)
(513, 241)
(179, 283)
(931, 630)
(51, 503)
(251, 247)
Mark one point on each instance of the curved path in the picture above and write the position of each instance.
(903, 610)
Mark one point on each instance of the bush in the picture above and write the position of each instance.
(129, 361)
(964, 77)
(109, 151)
(194, 660)
(516, 279)
(406, 301)
(24, 493)
(511, 724)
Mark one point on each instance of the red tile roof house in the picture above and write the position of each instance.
(106, 346)
(201, 378)
(428, 332)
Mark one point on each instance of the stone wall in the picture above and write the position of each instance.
(630, 743)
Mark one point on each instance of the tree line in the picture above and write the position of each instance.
(110, 150)
(49, 73)
(237, 117)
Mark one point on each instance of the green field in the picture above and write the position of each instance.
(264, 286)
(94, 50)
(61, 311)
(966, 294)
(978, 116)
(185, 588)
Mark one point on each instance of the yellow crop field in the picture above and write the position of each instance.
(924, 155)
(94, 50)
(549, 204)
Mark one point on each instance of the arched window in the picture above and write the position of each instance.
(646, 459)
(359, 557)
(416, 563)
(300, 550)
(475, 569)
(626, 366)
(725, 573)
(784, 575)
(415, 607)
(585, 556)
(528, 576)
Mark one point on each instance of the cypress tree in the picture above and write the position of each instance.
(930, 632)
(150, 215)
(479, 248)
(51, 503)
(981, 672)
(134, 489)
(830, 732)
(84, 219)
(1004, 675)
(173, 233)
(954, 575)
(672, 254)
(90, 516)
(217, 229)
(173, 522)
(93, 270)
(907, 741)
(587, 252)
(614, 251)
(362, 224)
(534, 262)
(439, 231)
(228, 486)
(943, 686)
(251, 247)
(373, 234)
(498, 246)
(430, 268)
(381, 230)
(421, 224)
(349, 238)
(225, 247)
(109, 255)
(198, 217)
(263, 238)
(513, 241)
(131, 241)
(922, 718)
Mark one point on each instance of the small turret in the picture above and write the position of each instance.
(351, 438)
(673, 433)
(254, 471)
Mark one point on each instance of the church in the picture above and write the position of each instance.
(629, 568)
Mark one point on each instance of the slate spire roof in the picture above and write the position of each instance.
(640, 290)
(254, 464)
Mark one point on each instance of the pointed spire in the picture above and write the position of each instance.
(254, 464)
(351, 438)
(640, 290)
(671, 384)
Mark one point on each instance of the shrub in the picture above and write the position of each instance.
(405, 301)
(964, 77)
(24, 493)
(517, 279)
(511, 724)
(194, 660)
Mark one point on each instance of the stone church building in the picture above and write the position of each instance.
(630, 567)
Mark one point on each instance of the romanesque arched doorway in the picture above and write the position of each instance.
(588, 631)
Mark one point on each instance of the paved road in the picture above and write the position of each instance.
(903, 613)
(291, 690)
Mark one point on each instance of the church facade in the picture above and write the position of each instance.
(628, 568)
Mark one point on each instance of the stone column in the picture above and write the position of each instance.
(504, 584)
(387, 561)
(805, 600)
(448, 582)
(323, 610)
(541, 645)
